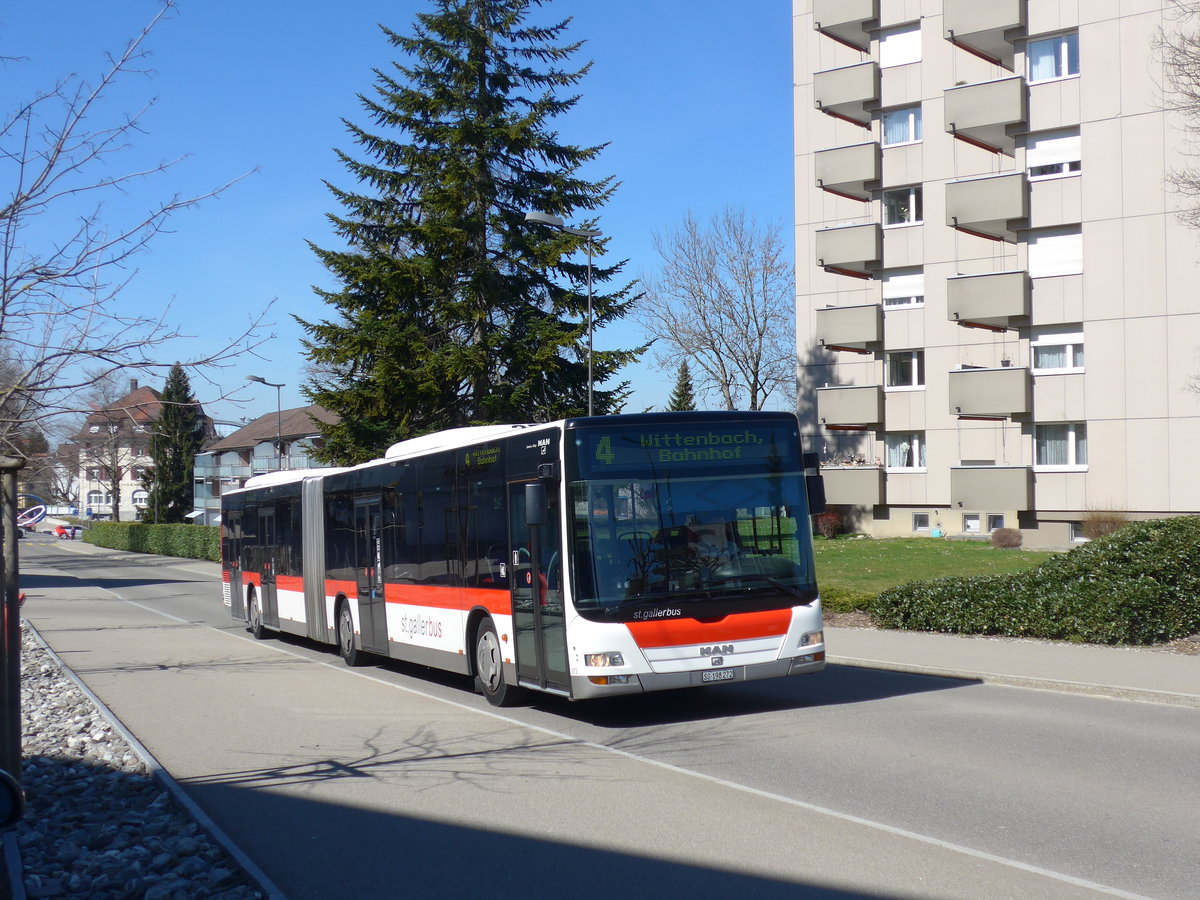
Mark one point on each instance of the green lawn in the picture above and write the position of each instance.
(869, 566)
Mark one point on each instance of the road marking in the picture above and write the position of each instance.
(690, 773)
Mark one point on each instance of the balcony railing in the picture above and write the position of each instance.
(990, 393)
(848, 171)
(987, 28)
(849, 92)
(988, 113)
(855, 328)
(998, 300)
(854, 485)
(222, 472)
(993, 207)
(850, 407)
(991, 488)
(846, 21)
(850, 249)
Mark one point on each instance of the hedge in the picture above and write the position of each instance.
(187, 541)
(1138, 585)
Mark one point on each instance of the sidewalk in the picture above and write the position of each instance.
(1121, 672)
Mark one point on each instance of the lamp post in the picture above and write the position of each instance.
(278, 417)
(590, 233)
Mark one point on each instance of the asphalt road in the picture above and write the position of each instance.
(395, 780)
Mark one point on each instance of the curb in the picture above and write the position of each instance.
(253, 872)
(1112, 691)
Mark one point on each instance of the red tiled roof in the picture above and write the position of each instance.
(292, 424)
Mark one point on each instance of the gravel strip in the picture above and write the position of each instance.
(98, 824)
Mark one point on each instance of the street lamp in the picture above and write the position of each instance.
(590, 233)
(278, 417)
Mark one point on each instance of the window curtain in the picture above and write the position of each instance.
(900, 126)
(1043, 59)
(1052, 445)
(1054, 357)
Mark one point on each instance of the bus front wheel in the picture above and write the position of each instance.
(350, 653)
(489, 667)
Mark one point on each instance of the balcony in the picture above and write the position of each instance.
(203, 472)
(850, 249)
(853, 485)
(849, 171)
(847, 21)
(997, 300)
(988, 113)
(854, 407)
(853, 328)
(987, 28)
(849, 92)
(991, 488)
(993, 207)
(990, 393)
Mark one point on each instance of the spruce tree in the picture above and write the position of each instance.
(178, 435)
(683, 397)
(452, 310)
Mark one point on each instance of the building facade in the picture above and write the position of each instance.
(280, 440)
(998, 309)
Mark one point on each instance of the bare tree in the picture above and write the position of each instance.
(1179, 47)
(723, 300)
(61, 327)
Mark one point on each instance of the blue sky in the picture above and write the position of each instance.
(694, 97)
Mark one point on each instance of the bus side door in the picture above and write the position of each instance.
(268, 547)
(368, 565)
(537, 602)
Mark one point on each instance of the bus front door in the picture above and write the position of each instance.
(539, 615)
(269, 549)
(372, 606)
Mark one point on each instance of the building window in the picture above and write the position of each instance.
(1055, 251)
(902, 206)
(1057, 352)
(906, 369)
(970, 523)
(900, 46)
(1053, 57)
(140, 498)
(1053, 154)
(904, 287)
(906, 451)
(901, 126)
(1077, 535)
(920, 521)
(995, 521)
(1062, 446)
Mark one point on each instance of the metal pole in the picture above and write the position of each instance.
(279, 427)
(590, 378)
(10, 671)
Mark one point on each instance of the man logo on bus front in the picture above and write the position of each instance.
(716, 649)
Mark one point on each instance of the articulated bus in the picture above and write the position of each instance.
(588, 557)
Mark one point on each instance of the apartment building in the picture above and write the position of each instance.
(998, 310)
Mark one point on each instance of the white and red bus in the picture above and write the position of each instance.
(588, 557)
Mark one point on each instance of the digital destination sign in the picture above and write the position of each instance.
(764, 447)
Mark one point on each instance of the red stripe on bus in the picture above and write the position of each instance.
(740, 626)
(449, 597)
(289, 582)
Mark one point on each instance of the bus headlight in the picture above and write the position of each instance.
(603, 660)
(812, 637)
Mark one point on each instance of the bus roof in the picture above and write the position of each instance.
(451, 438)
(287, 476)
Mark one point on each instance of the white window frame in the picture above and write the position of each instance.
(1053, 154)
(1077, 535)
(915, 206)
(1071, 343)
(906, 442)
(995, 521)
(902, 288)
(916, 361)
(900, 46)
(1061, 44)
(1055, 251)
(914, 129)
(969, 520)
(1076, 436)
(917, 521)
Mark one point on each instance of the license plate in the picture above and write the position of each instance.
(710, 675)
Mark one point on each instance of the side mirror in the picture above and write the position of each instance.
(814, 484)
(535, 503)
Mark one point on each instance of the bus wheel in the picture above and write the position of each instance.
(489, 667)
(351, 654)
(254, 622)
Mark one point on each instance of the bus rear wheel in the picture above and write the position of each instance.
(254, 619)
(345, 628)
(489, 667)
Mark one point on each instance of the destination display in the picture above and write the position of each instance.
(647, 449)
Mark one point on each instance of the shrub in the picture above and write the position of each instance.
(830, 523)
(1099, 522)
(1006, 538)
(187, 541)
(1138, 585)
(844, 600)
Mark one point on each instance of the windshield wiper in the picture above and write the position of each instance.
(790, 590)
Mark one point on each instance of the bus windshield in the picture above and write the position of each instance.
(690, 522)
